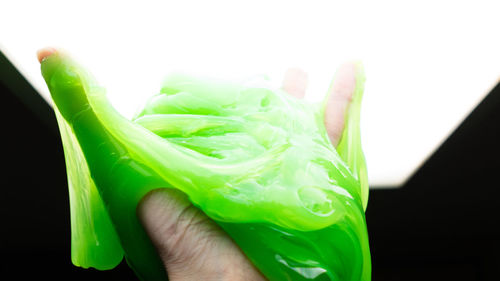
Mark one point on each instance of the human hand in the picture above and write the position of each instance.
(193, 247)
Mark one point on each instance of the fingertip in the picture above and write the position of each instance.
(344, 81)
(159, 201)
(340, 97)
(295, 82)
(44, 53)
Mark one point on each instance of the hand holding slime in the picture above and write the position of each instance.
(254, 159)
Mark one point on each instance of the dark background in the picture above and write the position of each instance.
(441, 225)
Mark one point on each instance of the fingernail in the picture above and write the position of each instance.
(44, 53)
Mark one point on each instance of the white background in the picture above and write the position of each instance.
(428, 63)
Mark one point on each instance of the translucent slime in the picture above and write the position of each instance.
(255, 159)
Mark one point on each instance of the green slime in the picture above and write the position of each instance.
(256, 160)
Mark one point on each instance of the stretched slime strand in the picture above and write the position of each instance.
(257, 161)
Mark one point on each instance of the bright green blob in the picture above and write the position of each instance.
(254, 159)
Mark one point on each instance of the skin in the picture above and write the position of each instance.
(191, 245)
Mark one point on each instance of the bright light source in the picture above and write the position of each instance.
(428, 63)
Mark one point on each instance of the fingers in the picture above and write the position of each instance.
(165, 214)
(339, 98)
(66, 82)
(44, 53)
(295, 82)
(191, 245)
(345, 102)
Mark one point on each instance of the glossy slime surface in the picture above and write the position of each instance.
(256, 160)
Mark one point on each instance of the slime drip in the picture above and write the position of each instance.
(254, 159)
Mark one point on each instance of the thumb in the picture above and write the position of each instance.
(191, 245)
(167, 215)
